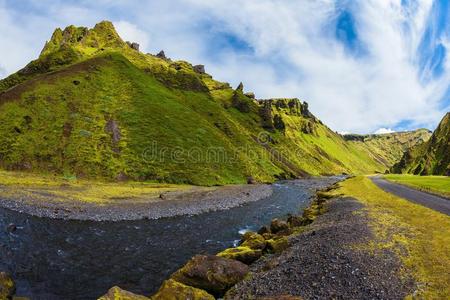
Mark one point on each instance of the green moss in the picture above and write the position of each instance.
(175, 125)
(116, 293)
(418, 235)
(173, 290)
(254, 241)
(277, 244)
(434, 184)
(243, 254)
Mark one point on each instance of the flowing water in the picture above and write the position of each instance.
(66, 259)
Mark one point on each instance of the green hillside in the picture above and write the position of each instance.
(430, 158)
(93, 106)
(388, 148)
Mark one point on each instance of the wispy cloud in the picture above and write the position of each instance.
(361, 65)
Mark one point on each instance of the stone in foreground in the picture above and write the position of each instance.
(211, 273)
(173, 290)
(242, 254)
(7, 286)
(116, 293)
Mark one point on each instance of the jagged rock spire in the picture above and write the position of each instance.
(161, 55)
(240, 87)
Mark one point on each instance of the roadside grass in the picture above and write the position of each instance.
(419, 235)
(59, 188)
(435, 184)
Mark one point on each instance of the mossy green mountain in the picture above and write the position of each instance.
(94, 106)
(431, 157)
(388, 148)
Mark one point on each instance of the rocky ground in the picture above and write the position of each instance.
(328, 261)
(184, 202)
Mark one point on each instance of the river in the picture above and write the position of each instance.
(67, 259)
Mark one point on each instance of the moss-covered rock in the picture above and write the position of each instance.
(211, 273)
(243, 254)
(277, 244)
(253, 240)
(278, 225)
(116, 293)
(173, 290)
(7, 286)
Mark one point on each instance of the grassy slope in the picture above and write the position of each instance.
(430, 158)
(417, 234)
(175, 125)
(389, 148)
(56, 188)
(434, 184)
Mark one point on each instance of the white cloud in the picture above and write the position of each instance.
(384, 130)
(130, 32)
(293, 53)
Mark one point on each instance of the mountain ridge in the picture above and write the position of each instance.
(431, 157)
(92, 105)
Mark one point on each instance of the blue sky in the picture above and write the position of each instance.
(361, 65)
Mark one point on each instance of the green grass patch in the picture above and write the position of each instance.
(434, 184)
(419, 235)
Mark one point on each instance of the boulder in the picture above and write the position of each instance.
(116, 293)
(173, 290)
(161, 55)
(211, 273)
(243, 254)
(264, 229)
(277, 244)
(253, 240)
(199, 69)
(7, 286)
(278, 225)
(295, 221)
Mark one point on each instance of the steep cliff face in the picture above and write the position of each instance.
(93, 105)
(431, 157)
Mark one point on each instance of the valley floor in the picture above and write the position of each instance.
(55, 197)
(368, 245)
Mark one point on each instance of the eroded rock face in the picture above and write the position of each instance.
(161, 55)
(7, 286)
(243, 254)
(211, 273)
(173, 290)
(199, 69)
(116, 293)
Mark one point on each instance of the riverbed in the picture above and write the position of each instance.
(72, 259)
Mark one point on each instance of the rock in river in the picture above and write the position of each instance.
(7, 286)
(211, 273)
(173, 290)
(116, 293)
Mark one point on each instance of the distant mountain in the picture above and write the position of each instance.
(94, 106)
(388, 148)
(431, 157)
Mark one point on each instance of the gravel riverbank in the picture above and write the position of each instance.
(328, 261)
(175, 203)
